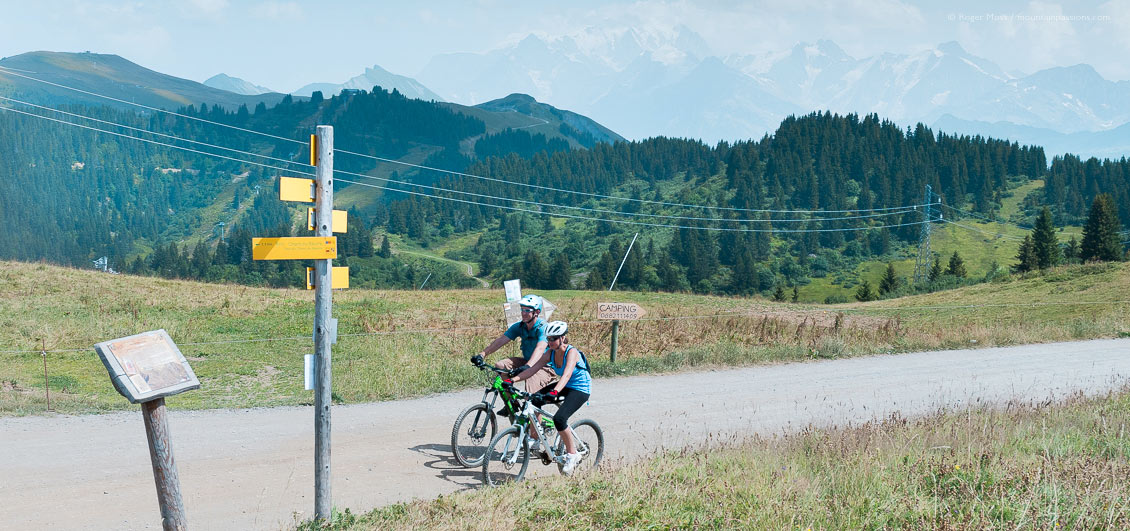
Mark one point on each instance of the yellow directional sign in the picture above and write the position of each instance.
(294, 189)
(339, 220)
(301, 248)
(313, 150)
(339, 278)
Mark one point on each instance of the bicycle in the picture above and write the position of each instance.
(468, 443)
(508, 454)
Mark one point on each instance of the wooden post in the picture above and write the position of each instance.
(323, 305)
(615, 332)
(164, 467)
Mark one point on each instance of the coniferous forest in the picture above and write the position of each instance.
(817, 197)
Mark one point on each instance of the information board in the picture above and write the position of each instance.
(146, 366)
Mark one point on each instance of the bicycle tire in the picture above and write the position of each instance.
(474, 428)
(507, 458)
(590, 444)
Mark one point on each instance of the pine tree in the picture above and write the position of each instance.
(796, 294)
(779, 294)
(936, 269)
(1100, 234)
(890, 281)
(956, 266)
(1071, 252)
(386, 249)
(864, 292)
(1044, 243)
(1026, 255)
(560, 276)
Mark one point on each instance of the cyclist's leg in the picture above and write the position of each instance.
(510, 363)
(571, 401)
(540, 379)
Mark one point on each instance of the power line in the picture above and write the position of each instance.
(639, 223)
(1005, 236)
(601, 196)
(616, 212)
(547, 205)
(9, 109)
(393, 161)
(155, 109)
(146, 131)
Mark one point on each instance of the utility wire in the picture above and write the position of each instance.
(1005, 236)
(548, 205)
(600, 196)
(146, 131)
(419, 166)
(9, 109)
(154, 109)
(639, 223)
(616, 212)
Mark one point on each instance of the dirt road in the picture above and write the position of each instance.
(253, 469)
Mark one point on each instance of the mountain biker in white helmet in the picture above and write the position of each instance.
(531, 330)
(571, 391)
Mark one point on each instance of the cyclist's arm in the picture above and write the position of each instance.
(570, 366)
(538, 359)
(495, 345)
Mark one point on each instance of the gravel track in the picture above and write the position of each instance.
(253, 469)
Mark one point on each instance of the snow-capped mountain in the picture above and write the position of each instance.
(236, 85)
(373, 77)
(646, 82)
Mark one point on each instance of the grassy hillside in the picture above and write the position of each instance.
(1028, 467)
(246, 344)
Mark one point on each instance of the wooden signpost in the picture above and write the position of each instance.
(616, 312)
(323, 278)
(146, 368)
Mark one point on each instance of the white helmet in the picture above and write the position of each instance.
(556, 328)
(531, 301)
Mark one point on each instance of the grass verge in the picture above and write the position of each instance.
(246, 344)
(1044, 466)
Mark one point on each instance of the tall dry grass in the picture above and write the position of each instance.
(1041, 466)
(246, 344)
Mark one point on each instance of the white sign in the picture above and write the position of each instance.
(619, 311)
(513, 290)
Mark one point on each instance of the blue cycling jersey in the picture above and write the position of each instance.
(529, 336)
(580, 379)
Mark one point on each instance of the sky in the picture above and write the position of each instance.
(284, 45)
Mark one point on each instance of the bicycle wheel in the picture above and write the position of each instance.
(589, 439)
(473, 430)
(507, 457)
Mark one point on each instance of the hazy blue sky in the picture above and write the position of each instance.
(287, 44)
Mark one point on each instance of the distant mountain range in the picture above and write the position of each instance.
(373, 77)
(113, 76)
(645, 84)
(236, 85)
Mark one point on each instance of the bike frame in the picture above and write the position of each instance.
(529, 417)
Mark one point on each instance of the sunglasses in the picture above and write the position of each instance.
(553, 338)
(528, 310)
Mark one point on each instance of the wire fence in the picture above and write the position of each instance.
(395, 363)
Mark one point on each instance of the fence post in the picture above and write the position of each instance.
(615, 332)
(46, 386)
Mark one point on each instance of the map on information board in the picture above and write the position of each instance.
(146, 366)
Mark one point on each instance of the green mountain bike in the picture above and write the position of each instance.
(477, 425)
(508, 455)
